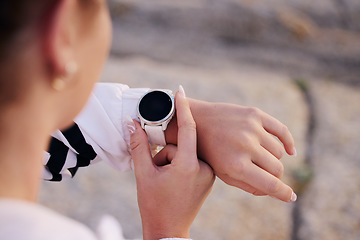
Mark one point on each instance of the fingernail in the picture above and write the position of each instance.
(293, 197)
(182, 91)
(294, 152)
(130, 124)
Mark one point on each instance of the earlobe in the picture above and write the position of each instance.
(59, 83)
(57, 43)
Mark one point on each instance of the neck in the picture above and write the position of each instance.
(22, 141)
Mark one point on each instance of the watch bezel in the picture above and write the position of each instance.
(162, 122)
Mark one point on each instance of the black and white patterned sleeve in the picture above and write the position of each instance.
(98, 133)
(62, 160)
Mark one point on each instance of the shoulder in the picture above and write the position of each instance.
(23, 220)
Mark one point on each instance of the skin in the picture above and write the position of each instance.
(28, 122)
(241, 147)
(243, 153)
(179, 181)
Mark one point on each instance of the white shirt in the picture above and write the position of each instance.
(101, 130)
(102, 126)
(20, 220)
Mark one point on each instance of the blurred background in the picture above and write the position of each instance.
(298, 60)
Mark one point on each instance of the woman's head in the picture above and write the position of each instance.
(40, 39)
(16, 17)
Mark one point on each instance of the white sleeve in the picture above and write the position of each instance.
(98, 133)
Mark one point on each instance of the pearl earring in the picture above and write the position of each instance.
(59, 83)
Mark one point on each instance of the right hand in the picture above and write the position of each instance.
(173, 185)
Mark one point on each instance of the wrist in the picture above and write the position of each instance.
(198, 111)
(158, 228)
(159, 234)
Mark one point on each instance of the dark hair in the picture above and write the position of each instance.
(16, 16)
(18, 20)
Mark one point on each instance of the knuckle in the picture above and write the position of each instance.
(254, 112)
(134, 145)
(281, 152)
(279, 170)
(249, 124)
(238, 167)
(246, 141)
(284, 129)
(191, 169)
(252, 120)
(273, 186)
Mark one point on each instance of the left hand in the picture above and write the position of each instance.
(238, 143)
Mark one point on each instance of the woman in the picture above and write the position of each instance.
(51, 55)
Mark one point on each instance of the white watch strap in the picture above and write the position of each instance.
(155, 135)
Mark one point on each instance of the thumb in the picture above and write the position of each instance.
(140, 148)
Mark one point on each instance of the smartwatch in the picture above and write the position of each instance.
(155, 110)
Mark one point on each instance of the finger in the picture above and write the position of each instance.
(265, 160)
(268, 184)
(270, 143)
(165, 156)
(207, 172)
(140, 150)
(275, 127)
(242, 185)
(186, 129)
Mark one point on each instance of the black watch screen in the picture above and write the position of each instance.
(155, 106)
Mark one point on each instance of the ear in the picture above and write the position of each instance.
(57, 38)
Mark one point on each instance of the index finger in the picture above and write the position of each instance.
(281, 131)
(269, 184)
(186, 128)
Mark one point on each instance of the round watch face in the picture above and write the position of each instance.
(155, 106)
